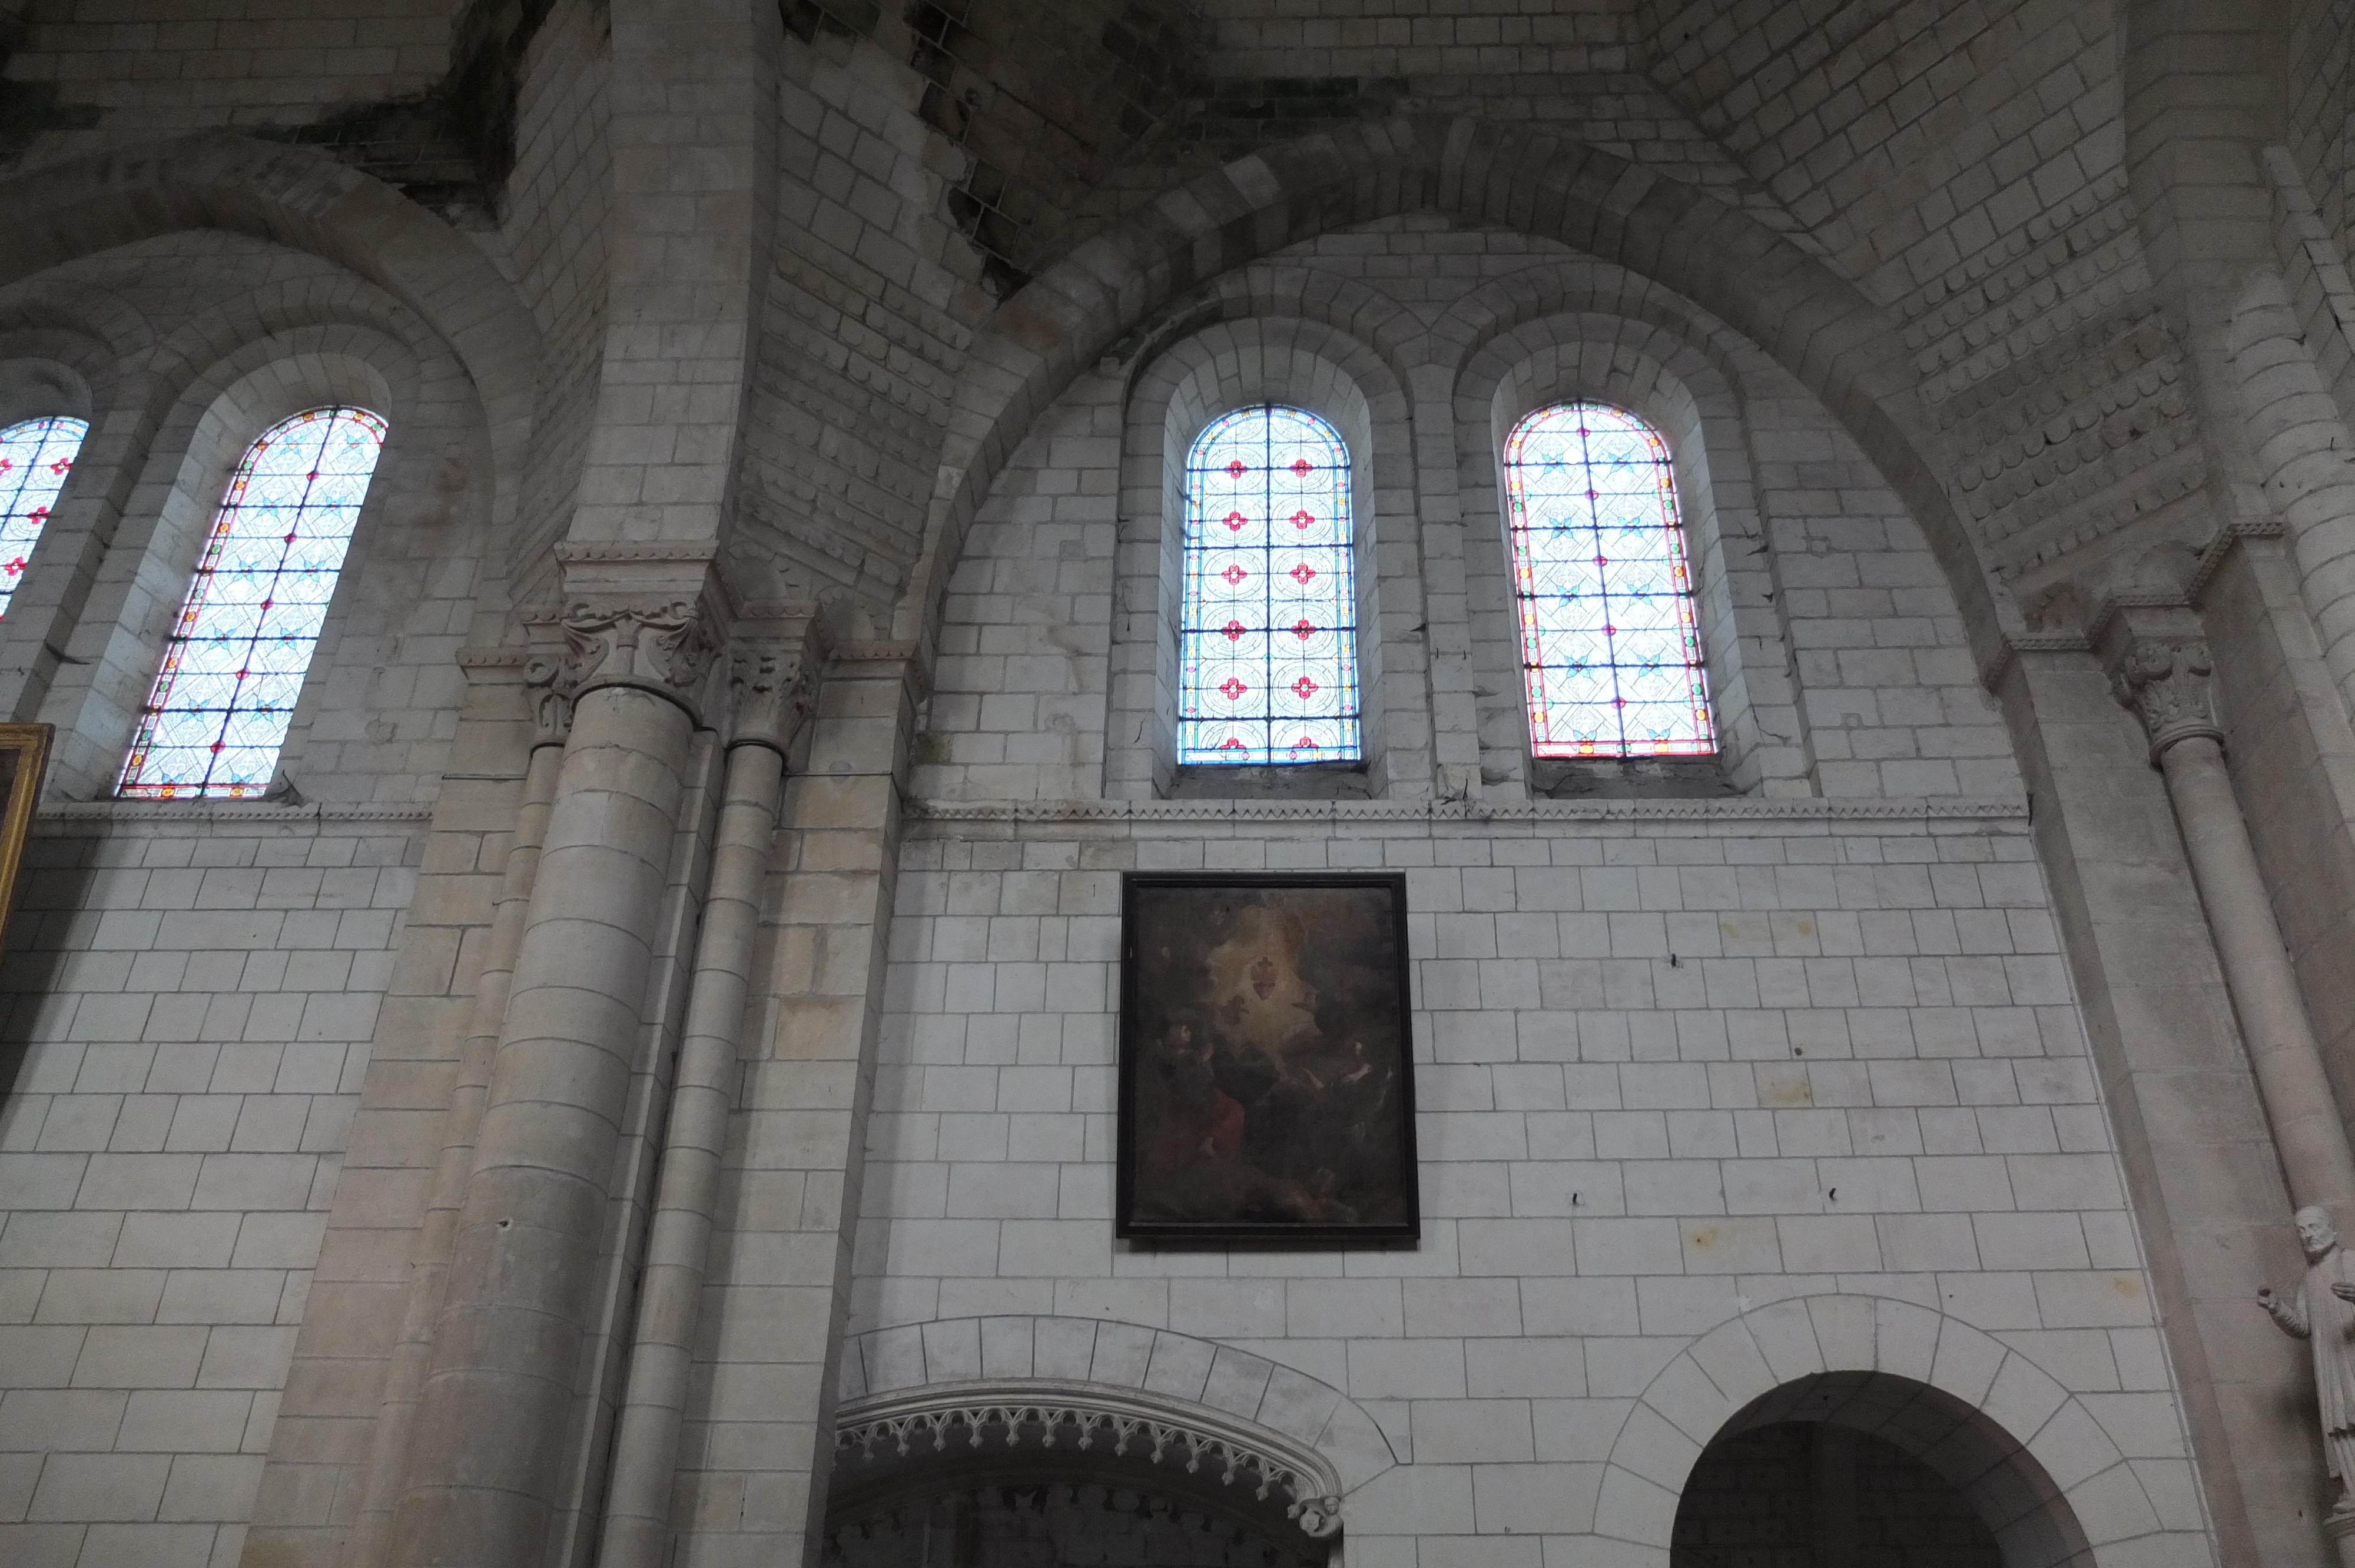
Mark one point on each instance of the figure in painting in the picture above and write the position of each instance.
(2322, 1310)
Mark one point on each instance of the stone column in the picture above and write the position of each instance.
(773, 686)
(490, 1437)
(550, 695)
(2159, 665)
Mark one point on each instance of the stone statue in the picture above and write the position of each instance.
(2322, 1310)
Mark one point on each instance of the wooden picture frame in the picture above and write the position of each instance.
(1266, 1059)
(24, 763)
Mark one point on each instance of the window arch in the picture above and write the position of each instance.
(35, 456)
(1268, 640)
(234, 663)
(1611, 656)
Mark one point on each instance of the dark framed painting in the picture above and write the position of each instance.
(24, 760)
(1266, 1064)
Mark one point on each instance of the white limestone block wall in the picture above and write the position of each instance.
(191, 1004)
(1676, 1063)
(1891, 702)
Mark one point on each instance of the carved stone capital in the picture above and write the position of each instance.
(2159, 666)
(665, 647)
(548, 688)
(638, 615)
(773, 683)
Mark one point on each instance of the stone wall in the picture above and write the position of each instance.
(1674, 1063)
(192, 999)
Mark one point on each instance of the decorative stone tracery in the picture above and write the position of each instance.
(1124, 1421)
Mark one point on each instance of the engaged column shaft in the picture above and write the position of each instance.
(490, 1430)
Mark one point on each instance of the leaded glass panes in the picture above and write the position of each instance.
(34, 458)
(1610, 647)
(236, 659)
(1268, 649)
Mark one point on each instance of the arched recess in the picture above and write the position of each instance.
(142, 571)
(2052, 1479)
(296, 197)
(1224, 366)
(1817, 325)
(1682, 392)
(923, 1374)
(41, 376)
(914, 1443)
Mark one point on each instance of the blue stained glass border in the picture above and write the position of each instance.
(1268, 635)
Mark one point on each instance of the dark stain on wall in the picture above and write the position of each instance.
(451, 146)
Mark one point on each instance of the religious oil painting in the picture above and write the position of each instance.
(1266, 1072)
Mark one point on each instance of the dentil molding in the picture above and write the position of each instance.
(1717, 809)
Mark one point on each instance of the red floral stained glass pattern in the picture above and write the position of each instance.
(237, 656)
(1268, 646)
(1609, 645)
(34, 458)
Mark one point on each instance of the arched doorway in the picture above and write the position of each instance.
(1870, 1470)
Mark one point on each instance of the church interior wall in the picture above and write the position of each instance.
(194, 998)
(1896, 1070)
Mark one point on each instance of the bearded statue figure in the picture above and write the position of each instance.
(2321, 1310)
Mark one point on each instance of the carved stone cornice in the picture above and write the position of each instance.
(1124, 1422)
(2158, 663)
(1480, 813)
(773, 683)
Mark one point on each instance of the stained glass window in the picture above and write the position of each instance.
(1610, 647)
(34, 458)
(1268, 653)
(236, 659)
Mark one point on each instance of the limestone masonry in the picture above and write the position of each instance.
(632, 1077)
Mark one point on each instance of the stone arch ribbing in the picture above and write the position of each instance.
(1010, 1351)
(1819, 327)
(2108, 1513)
(305, 200)
(1274, 289)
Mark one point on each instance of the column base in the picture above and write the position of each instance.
(2339, 1525)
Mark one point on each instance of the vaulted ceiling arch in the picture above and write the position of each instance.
(1818, 327)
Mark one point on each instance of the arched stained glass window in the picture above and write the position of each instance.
(236, 659)
(35, 456)
(1610, 646)
(1268, 648)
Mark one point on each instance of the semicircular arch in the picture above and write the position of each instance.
(1817, 325)
(304, 200)
(1106, 1365)
(2053, 1482)
(1664, 377)
(1176, 390)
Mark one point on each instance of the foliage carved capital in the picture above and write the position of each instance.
(665, 646)
(2160, 673)
(774, 684)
